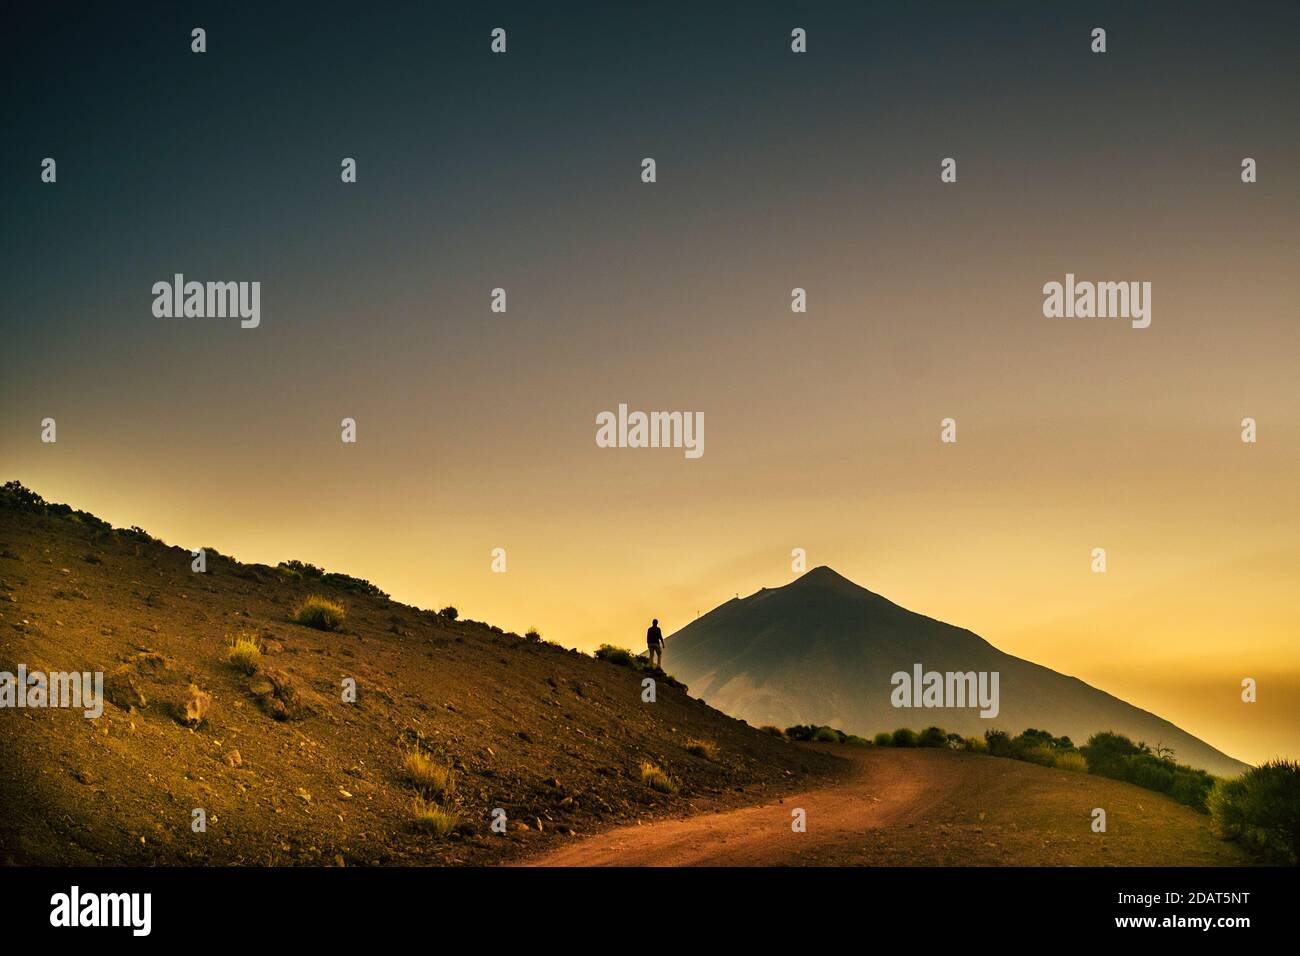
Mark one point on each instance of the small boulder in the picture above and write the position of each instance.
(124, 690)
(194, 706)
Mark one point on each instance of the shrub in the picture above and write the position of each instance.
(803, 732)
(998, 743)
(245, 652)
(977, 745)
(346, 582)
(1106, 753)
(1115, 756)
(903, 737)
(15, 495)
(884, 738)
(617, 655)
(534, 636)
(432, 818)
(654, 777)
(1261, 811)
(1040, 754)
(856, 741)
(774, 731)
(828, 735)
(449, 612)
(702, 748)
(1071, 760)
(427, 775)
(320, 613)
(932, 737)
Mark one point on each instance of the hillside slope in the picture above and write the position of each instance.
(822, 650)
(549, 735)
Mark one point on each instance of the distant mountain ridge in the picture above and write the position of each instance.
(822, 650)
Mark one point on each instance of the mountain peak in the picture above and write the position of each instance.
(825, 575)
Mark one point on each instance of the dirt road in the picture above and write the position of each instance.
(926, 807)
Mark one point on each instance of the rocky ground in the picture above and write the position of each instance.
(285, 770)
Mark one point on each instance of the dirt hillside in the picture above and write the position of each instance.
(286, 771)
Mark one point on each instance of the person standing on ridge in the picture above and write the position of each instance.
(654, 639)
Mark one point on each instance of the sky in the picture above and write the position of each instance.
(476, 430)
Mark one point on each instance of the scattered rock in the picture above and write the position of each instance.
(233, 759)
(260, 685)
(123, 690)
(194, 706)
(287, 699)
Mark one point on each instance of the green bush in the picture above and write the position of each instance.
(617, 655)
(1071, 760)
(903, 737)
(1116, 756)
(884, 739)
(449, 612)
(932, 737)
(1038, 753)
(998, 743)
(320, 613)
(1261, 811)
(621, 657)
(828, 735)
(14, 495)
(245, 652)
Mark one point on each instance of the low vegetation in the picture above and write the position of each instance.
(14, 494)
(245, 652)
(432, 818)
(702, 748)
(320, 613)
(622, 657)
(1106, 754)
(1115, 756)
(300, 570)
(653, 776)
(431, 778)
(1261, 811)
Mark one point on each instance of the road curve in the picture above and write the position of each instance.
(924, 807)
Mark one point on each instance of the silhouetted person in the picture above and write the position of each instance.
(654, 640)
